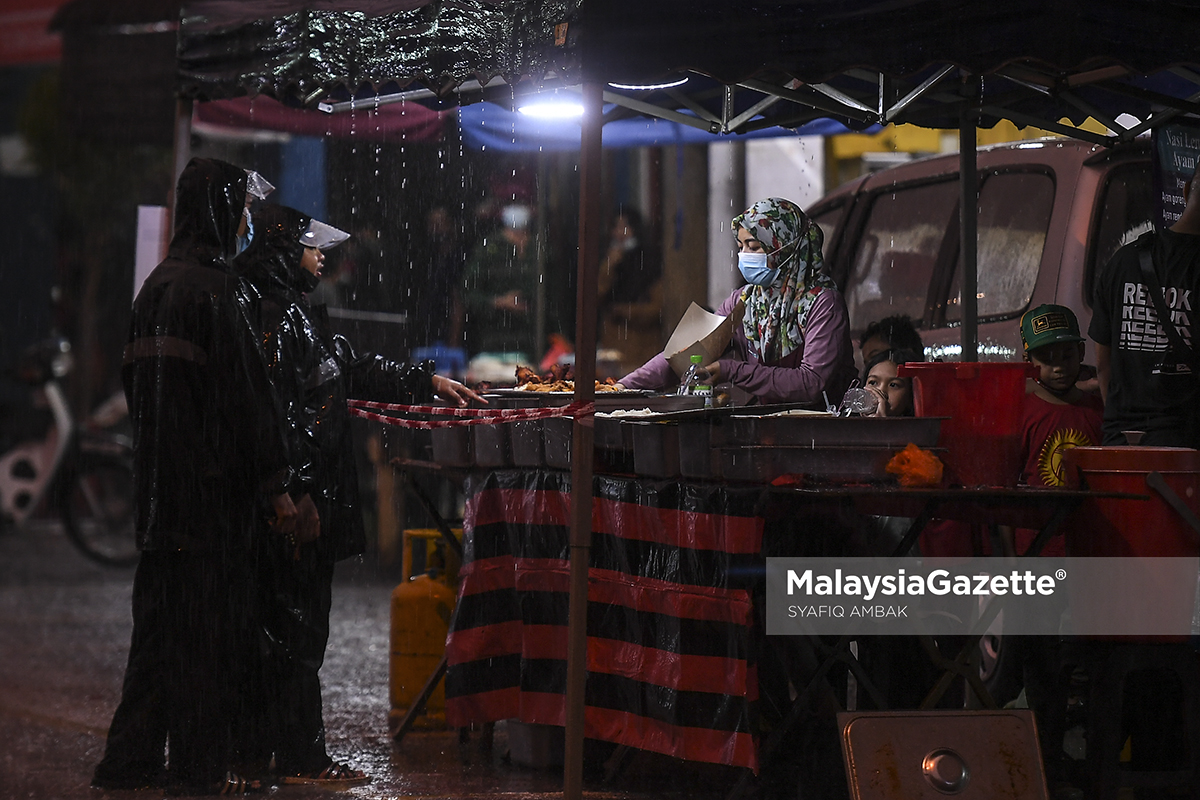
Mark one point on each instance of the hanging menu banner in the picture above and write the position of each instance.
(1176, 147)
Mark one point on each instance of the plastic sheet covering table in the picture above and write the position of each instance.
(671, 645)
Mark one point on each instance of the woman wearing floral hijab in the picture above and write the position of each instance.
(794, 341)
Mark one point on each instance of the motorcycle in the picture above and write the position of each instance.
(49, 460)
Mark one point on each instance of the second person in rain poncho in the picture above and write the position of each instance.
(313, 372)
(793, 344)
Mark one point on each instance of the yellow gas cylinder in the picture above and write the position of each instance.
(421, 609)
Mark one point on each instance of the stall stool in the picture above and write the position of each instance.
(1108, 665)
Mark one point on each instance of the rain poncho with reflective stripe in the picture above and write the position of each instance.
(208, 448)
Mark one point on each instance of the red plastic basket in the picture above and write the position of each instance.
(983, 403)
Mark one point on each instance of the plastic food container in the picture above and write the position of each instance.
(829, 431)
(526, 444)
(698, 456)
(491, 444)
(983, 405)
(556, 441)
(854, 463)
(453, 447)
(655, 448)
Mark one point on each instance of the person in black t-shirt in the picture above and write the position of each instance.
(1147, 385)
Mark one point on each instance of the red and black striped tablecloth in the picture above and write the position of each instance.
(671, 664)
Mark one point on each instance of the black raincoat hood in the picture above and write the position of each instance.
(273, 257)
(210, 200)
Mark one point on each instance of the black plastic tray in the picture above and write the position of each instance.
(823, 431)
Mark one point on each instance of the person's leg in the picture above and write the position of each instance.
(135, 751)
(255, 729)
(309, 591)
(210, 641)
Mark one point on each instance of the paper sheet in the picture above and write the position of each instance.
(700, 332)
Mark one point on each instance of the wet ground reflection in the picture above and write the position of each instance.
(64, 637)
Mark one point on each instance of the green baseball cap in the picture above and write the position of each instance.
(1049, 324)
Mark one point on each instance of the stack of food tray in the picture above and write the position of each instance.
(547, 442)
(759, 444)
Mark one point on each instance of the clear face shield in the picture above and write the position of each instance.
(256, 187)
(322, 236)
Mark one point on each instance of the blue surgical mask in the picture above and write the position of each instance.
(754, 269)
(244, 241)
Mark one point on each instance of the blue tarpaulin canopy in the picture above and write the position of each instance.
(496, 128)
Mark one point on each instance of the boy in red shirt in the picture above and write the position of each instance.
(1058, 415)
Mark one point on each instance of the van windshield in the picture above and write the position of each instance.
(1014, 215)
(898, 251)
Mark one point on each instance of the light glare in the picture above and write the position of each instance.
(552, 108)
(649, 86)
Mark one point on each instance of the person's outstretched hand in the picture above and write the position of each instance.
(454, 392)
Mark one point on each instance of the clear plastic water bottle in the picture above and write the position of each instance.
(691, 378)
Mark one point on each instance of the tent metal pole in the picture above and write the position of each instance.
(581, 435)
(968, 210)
(182, 154)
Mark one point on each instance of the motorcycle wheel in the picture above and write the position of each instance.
(98, 509)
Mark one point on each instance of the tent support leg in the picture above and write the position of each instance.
(581, 436)
(182, 153)
(968, 210)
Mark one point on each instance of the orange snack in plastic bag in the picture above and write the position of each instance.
(913, 466)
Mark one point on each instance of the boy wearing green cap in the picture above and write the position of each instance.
(1058, 415)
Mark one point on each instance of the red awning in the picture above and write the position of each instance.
(410, 122)
(24, 37)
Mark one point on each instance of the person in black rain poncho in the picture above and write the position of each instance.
(313, 372)
(210, 460)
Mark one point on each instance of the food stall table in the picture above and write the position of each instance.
(674, 635)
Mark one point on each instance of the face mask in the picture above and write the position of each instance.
(244, 241)
(754, 269)
(516, 217)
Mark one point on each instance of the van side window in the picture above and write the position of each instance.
(897, 252)
(829, 220)
(1014, 215)
(1126, 205)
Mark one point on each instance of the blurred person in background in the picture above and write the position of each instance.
(500, 289)
(630, 292)
(1148, 372)
(441, 297)
(890, 333)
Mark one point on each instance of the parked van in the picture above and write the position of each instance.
(1051, 212)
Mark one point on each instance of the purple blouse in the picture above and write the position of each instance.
(823, 363)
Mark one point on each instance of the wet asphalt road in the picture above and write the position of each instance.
(64, 638)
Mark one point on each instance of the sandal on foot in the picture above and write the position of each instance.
(335, 774)
(232, 784)
(237, 785)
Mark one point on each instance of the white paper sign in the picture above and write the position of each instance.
(700, 332)
(151, 243)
